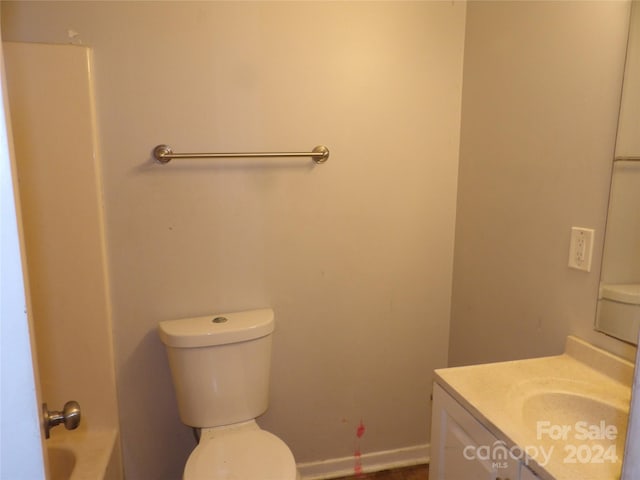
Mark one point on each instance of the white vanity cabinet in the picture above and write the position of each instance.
(463, 449)
(526, 474)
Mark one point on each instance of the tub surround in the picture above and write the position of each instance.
(525, 403)
(50, 89)
(84, 455)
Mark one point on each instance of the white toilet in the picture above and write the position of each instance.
(220, 367)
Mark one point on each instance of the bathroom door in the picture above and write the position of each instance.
(21, 445)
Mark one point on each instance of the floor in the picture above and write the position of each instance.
(418, 472)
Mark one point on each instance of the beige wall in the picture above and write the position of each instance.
(541, 95)
(355, 256)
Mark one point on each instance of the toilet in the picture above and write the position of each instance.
(220, 367)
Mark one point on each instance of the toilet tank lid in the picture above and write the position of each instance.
(217, 329)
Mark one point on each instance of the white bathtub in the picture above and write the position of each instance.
(84, 455)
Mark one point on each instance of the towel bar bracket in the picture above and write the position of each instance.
(163, 153)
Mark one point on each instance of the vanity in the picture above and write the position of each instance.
(562, 417)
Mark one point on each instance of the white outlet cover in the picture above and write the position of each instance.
(581, 248)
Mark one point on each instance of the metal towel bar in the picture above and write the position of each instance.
(164, 154)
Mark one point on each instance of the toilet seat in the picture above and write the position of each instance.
(240, 454)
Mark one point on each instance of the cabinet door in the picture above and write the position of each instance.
(463, 449)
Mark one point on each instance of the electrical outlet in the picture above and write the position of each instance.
(581, 248)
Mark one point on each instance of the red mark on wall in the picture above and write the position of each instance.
(357, 468)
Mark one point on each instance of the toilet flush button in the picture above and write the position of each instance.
(220, 320)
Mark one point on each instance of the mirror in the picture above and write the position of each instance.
(618, 310)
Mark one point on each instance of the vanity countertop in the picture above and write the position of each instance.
(568, 412)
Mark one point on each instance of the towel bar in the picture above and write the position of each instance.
(164, 154)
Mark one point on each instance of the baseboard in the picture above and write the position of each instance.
(371, 462)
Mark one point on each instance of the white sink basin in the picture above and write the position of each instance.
(555, 401)
(575, 419)
(571, 408)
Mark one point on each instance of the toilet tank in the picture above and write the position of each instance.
(220, 365)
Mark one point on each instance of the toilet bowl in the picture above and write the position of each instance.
(220, 366)
(241, 451)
